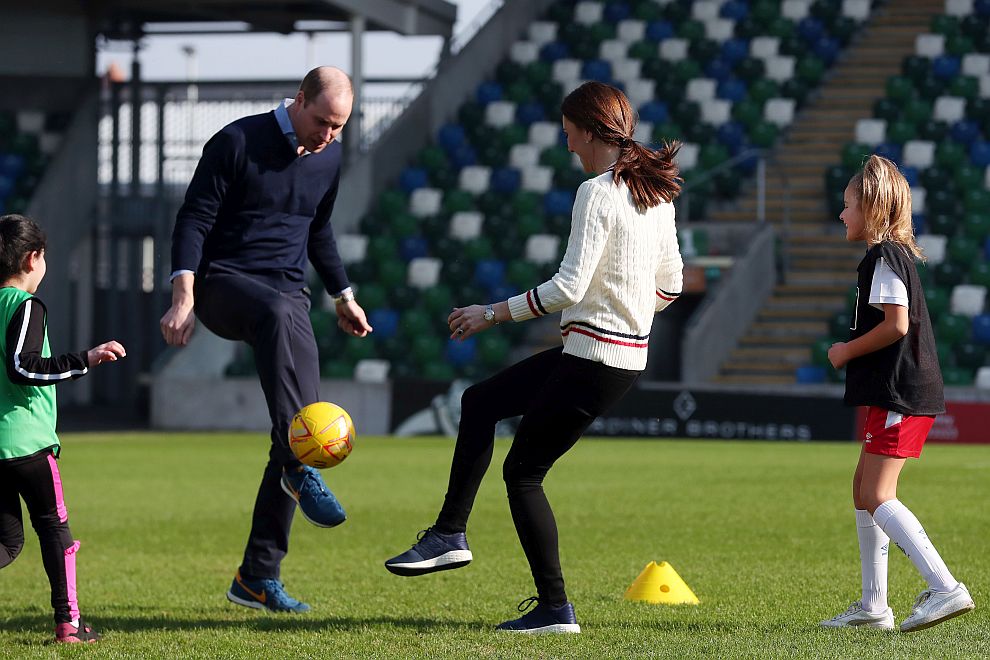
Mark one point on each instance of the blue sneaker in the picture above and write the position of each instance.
(433, 552)
(263, 594)
(317, 504)
(542, 619)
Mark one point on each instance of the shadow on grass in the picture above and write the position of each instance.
(265, 622)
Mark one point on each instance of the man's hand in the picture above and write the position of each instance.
(178, 323)
(352, 319)
(837, 355)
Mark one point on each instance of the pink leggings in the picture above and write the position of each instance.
(36, 479)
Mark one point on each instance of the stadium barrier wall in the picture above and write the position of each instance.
(191, 393)
(725, 314)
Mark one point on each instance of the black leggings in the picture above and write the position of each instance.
(36, 479)
(559, 396)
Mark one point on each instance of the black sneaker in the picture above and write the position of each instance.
(433, 552)
(542, 619)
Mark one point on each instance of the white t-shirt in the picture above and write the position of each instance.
(887, 287)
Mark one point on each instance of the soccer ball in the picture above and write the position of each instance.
(321, 435)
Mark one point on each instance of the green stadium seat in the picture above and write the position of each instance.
(979, 273)
(937, 300)
(358, 348)
(946, 356)
(967, 87)
(963, 251)
(945, 25)
(948, 274)
(819, 353)
(901, 131)
(944, 224)
(950, 155)
(957, 377)
(391, 202)
(392, 273)
(952, 329)
(959, 45)
(976, 225)
(764, 134)
(763, 89)
(977, 200)
(916, 69)
(968, 177)
(899, 89)
(853, 155)
(917, 111)
(970, 356)
(493, 349)
(839, 326)
(810, 70)
(887, 109)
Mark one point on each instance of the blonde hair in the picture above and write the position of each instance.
(884, 198)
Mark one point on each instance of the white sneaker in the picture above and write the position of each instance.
(933, 607)
(856, 616)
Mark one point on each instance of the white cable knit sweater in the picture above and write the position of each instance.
(620, 268)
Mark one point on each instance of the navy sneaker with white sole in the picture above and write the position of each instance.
(542, 619)
(433, 552)
(316, 503)
(263, 595)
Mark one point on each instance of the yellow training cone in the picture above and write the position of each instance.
(660, 583)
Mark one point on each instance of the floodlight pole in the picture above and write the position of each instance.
(352, 144)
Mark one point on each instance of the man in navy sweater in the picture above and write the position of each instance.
(258, 205)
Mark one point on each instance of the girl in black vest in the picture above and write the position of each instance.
(892, 368)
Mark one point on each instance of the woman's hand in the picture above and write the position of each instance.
(466, 321)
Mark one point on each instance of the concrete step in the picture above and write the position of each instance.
(762, 368)
(795, 356)
(795, 314)
(746, 379)
(829, 303)
(780, 329)
(811, 289)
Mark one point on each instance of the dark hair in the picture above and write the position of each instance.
(19, 237)
(652, 176)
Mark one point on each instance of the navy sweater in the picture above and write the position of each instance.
(255, 208)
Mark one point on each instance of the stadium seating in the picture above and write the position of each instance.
(484, 211)
(27, 139)
(934, 122)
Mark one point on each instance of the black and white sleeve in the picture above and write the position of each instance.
(25, 339)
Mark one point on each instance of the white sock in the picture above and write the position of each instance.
(904, 529)
(873, 545)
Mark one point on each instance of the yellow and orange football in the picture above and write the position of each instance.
(321, 435)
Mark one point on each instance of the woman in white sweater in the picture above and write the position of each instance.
(622, 265)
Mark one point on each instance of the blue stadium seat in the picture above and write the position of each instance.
(890, 150)
(451, 136)
(735, 10)
(979, 153)
(530, 112)
(810, 373)
(827, 49)
(810, 29)
(553, 51)
(965, 131)
(599, 70)
(413, 178)
(732, 89)
(734, 50)
(981, 329)
(11, 165)
(616, 11)
(385, 321)
(910, 173)
(489, 273)
(413, 247)
(463, 156)
(460, 353)
(654, 112)
(506, 180)
(659, 30)
(488, 91)
(946, 67)
(719, 68)
(558, 202)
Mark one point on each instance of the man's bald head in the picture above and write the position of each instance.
(327, 80)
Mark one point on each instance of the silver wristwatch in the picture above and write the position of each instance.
(490, 314)
(346, 295)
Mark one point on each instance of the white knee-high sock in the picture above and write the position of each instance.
(903, 528)
(873, 545)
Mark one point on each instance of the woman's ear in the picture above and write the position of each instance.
(31, 260)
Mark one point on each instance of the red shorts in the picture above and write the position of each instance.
(889, 433)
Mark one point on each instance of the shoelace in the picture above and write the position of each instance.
(528, 603)
(852, 609)
(309, 477)
(921, 599)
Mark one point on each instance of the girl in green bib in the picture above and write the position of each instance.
(28, 444)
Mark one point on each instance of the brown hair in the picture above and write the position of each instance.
(328, 79)
(604, 111)
(884, 197)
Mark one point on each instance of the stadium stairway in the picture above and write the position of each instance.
(819, 265)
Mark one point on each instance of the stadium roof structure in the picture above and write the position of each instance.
(129, 19)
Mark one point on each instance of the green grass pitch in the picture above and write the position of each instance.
(764, 533)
